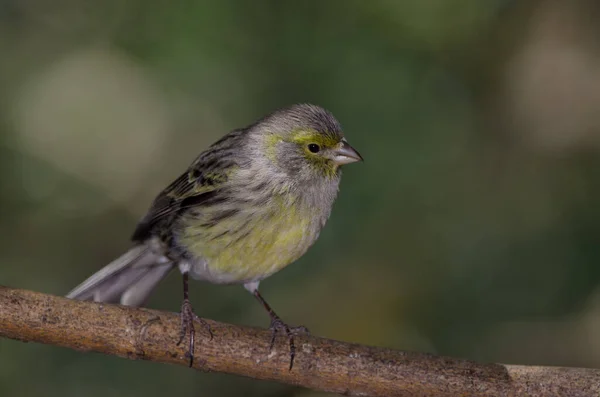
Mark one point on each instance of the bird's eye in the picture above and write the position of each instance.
(314, 148)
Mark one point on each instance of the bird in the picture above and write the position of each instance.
(249, 205)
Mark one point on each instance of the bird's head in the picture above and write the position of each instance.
(306, 142)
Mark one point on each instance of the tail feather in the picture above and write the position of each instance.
(128, 279)
(137, 293)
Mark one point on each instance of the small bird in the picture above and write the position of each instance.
(247, 207)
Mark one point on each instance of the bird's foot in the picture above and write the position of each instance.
(278, 326)
(187, 327)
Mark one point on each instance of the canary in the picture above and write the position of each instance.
(248, 206)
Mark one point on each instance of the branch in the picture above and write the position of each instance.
(321, 364)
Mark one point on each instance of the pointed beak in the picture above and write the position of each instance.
(346, 154)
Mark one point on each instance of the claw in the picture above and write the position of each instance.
(187, 321)
(278, 325)
(187, 327)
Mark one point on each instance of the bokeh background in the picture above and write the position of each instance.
(471, 229)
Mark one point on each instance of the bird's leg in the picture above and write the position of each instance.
(187, 320)
(277, 325)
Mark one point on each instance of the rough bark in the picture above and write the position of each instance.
(321, 364)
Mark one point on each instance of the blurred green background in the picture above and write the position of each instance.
(470, 230)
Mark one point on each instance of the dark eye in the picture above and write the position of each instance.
(314, 148)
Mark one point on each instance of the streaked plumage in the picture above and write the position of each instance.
(248, 206)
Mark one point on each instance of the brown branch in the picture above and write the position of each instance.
(321, 364)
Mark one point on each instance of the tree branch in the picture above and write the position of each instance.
(321, 364)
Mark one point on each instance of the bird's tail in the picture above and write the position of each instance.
(128, 280)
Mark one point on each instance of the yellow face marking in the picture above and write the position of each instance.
(302, 138)
(306, 137)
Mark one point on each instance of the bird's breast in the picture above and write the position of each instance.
(248, 242)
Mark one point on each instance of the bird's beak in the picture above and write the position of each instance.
(346, 154)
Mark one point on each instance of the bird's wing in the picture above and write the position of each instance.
(198, 185)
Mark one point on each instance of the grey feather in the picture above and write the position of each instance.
(137, 293)
(128, 279)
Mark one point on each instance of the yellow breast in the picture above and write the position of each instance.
(250, 245)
